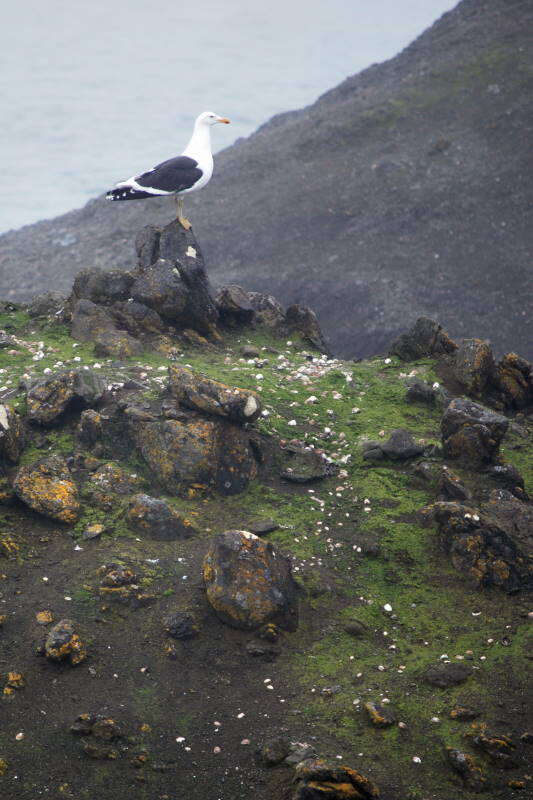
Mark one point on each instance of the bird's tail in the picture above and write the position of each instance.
(126, 193)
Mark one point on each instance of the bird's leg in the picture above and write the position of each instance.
(181, 219)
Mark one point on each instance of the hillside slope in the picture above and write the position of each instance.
(402, 191)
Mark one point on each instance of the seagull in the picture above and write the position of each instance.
(176, 176)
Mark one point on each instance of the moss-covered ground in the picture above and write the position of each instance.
(359, 552)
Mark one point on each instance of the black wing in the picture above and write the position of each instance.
(173, 175)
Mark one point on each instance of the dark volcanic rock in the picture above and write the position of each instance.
(399, 447)
(212, 397)
(451, 487)
(268, 311)
(274, 751)
(158, 519)
(11, 435)
(473, 366)
(303, 320)
(303, 465)
(48, 399)
(498, 747)
(513, 379)
(110, 482)
(426, 338)
(46, 486)
(102, 287)
(47, 304)
(181, 625)
(465, 765)
(94, 323)
(422, 392)
(472, 433)
(381, 716)
(249, 583)
(492, 545)
(64, 644)
(234, 306)
(444, 675)
(508, 477)
(316, 778)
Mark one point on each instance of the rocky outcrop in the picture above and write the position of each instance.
(425, 338)
(211, 397)
(11, 435)
(48, 399)
(157, 519)
(303, 320)
(47, 487)
(472, 433)
(248, 582)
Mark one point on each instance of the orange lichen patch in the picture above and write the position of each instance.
(379, 716)
(44, 617)
(145, 728)
(3, 767)
(63, 643)
(8, 547)
(516, 784)
(15, 680)
(46, 487)
(3, 618)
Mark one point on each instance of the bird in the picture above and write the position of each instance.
(177, 176)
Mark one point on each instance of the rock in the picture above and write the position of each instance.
(498, 747)
(275, 751)
(64, 644)
(44, 617)
(116, 344)
(93, 531)
(181, 625)
(401, 446)
(426, 338)
(513, 379)
(471, 433)
(316, 778)
(172, 278)
(148, 515)
(47, 304)
(467, 768)
(450, 486)
(380, 716)
(444, 675)
(211, 397)
(263, 526)
(249, 351)
(47, 487)
(12, 437)
(422, 392)
(473, 366)
(115, 575)
(234, 306)
(195, 456)
(107, 482)
(249, 583)
(89, 320)
(508, 477)
(102, 730)
(48, 399)
(427, 472)
(355, 628)
(298, 752)
(303, 465)
(102, 287)
(492, 545)
(462, 713)
(264, 650)
(303, 320)
(136, 318)
(268, 312)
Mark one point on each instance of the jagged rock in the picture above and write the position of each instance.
(234, 306)
(471, 433)
(303, 465)
(421, 392)
(46, 486)
(426, 338)
(492, 545)
(50, 398)
(248, 582)
(107, 482)
(399, 447)
(89, 320)
(172, 278)
(136, 318)
(211, 397)
(102, 287)
(473, 365)
(181, 625)
(316, 778)
(195, 456)
(148, 515)
(302, 319)
(11, 435)
(47, 304)
(380, 716)
(513, 378)
(451, 487)
(508, 477)
(268, 312)
(444, 675)
(465, 765)
(64, 644)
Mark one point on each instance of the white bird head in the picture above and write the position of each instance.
(210, 118)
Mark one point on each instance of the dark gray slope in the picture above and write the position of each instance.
(403, 191)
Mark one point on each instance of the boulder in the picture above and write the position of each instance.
(107, 482)
(103, 287)
(400, 446)
(498, 747)
(425, 338)
(234, 306)
(513, 379)
(94, 323)
(506, 476)
(195, 455)
(451, 487)
(431, 394)
(181, 625)
(492, 545)
(48, 399)
(471, 433)
(248, 582)
(11, 435)
(473, 366)
(268, 312)
(64, 644)
(157, 519)
(316, 778)
(47, 304)
(443, 675)
(211, 397)
(136, 318)
(303, 320)
(300, 464)
(47, 487)
(116, 344)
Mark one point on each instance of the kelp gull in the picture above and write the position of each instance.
(177, 176)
